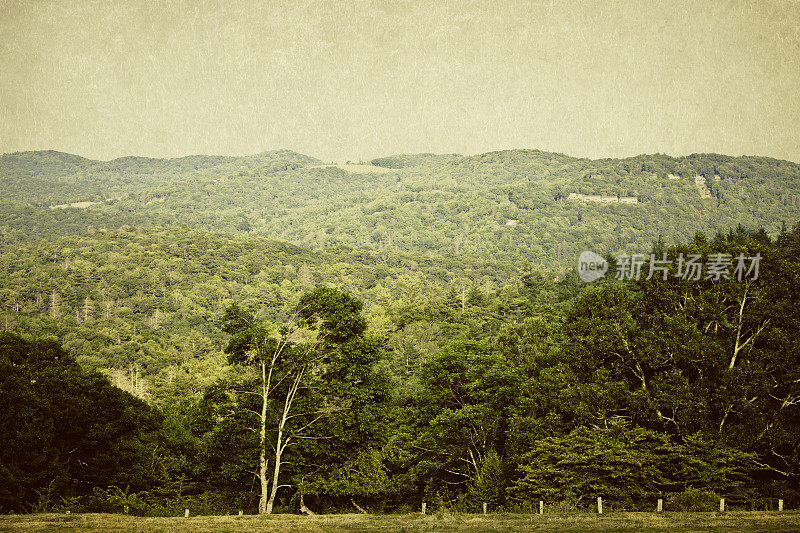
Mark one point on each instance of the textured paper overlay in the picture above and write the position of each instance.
(360, 79)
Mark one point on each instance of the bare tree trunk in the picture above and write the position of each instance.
(275, 473)
(262, 443)
(740, 343)
(281, 443)
(361, 509)
(269, 492)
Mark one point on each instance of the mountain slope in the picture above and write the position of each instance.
(515, 205)
(152, 299)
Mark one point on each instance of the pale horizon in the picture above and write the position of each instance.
(364, 160)
(366, 79)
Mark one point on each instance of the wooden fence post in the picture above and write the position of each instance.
(660, 506)
(423, 507)
(241, 512)
(541, 507)
(186, 513)
(484, 508)
(780, 505)
(722, 505)
(599, 505)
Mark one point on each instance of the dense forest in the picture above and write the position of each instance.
(509, 206)
(271, 333)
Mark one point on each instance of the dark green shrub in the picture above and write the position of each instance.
(692, 500)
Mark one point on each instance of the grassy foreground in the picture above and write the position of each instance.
(616, 522)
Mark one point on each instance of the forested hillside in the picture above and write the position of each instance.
(508, 206)
(145, 305)
(451, 386)
(291, 334)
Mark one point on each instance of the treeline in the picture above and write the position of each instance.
(538, 389)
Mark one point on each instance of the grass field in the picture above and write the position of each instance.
(612, 522)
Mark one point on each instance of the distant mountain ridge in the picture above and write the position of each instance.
(61, 163)
(511, 205)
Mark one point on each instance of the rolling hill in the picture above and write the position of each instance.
(522, 206)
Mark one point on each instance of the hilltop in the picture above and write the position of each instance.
(513, 205)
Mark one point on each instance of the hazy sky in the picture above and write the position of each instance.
(359, 79)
